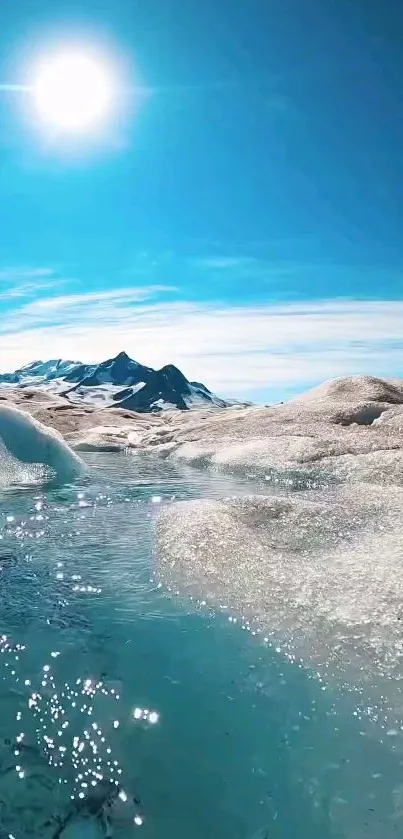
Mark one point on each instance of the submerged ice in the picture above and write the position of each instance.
(315, 567)
(323, 576)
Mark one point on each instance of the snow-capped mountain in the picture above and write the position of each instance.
(117, 382)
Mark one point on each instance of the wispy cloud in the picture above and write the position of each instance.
(25, 282)
(225, 263)
(226, 266)
(18, 273)
(235, 350)
(27, 290)
(72, 302)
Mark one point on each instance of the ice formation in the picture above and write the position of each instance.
(312, 560)
(320, 573)
(313, 557)
(29, 441)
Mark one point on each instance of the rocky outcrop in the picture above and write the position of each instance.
(116, 381)
(120, 370)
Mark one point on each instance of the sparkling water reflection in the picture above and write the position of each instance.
(123, 714)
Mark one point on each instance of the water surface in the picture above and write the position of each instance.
(202, 728)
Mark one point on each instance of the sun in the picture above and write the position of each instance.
(73, 92)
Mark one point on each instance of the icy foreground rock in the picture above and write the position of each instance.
(346, 430)
(27, 440)
(323, 577)
(319, 568)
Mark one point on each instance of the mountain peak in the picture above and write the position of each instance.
(118, 381)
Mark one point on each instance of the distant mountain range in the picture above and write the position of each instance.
(118, 382)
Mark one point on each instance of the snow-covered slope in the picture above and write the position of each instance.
(116, 382)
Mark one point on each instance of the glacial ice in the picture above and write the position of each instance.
(27, 440)
(323, 577)
(315, 563)
(313, 558)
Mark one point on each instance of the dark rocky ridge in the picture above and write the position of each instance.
(143, 388)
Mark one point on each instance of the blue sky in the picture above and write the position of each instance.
(242, 219)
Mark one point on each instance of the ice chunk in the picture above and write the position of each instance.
(29, 441)
(322, 576)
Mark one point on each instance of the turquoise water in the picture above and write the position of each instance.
(126, 712)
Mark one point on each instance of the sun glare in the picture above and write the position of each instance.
(73, 92)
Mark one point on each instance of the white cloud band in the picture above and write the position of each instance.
(241, 350)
